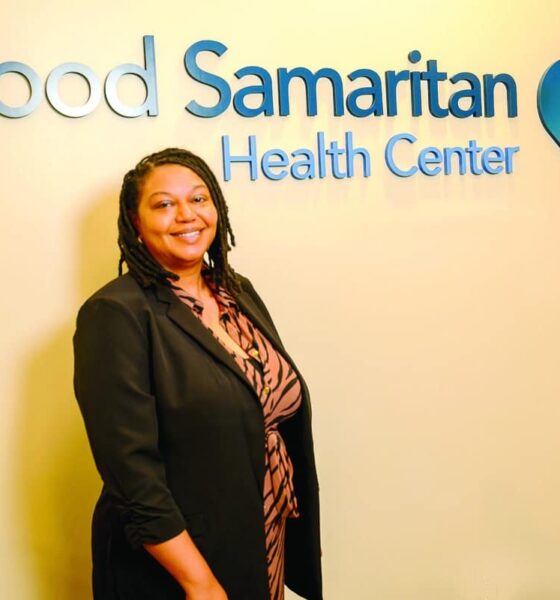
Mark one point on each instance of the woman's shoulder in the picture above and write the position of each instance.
(245, 283)
(248, 289)
(123, 290)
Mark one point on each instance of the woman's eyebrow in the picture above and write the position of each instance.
(168, 193)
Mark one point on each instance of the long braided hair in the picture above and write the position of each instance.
(141, 264)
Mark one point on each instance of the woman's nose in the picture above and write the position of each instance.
(184, 212)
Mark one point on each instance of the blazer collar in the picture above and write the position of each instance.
(182, 316)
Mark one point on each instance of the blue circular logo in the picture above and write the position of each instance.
(548, 101)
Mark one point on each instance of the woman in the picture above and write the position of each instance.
(199, 421)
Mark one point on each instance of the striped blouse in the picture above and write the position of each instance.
(278, 388)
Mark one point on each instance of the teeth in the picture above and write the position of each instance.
(190, 234)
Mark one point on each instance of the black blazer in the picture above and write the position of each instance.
(177, 435)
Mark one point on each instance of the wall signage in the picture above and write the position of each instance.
(363, 94)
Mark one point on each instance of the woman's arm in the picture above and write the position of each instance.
(182, 559)
(112, 374)
(112, 384)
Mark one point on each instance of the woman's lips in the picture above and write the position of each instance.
(188, 236)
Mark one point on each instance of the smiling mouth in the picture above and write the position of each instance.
(189, 236)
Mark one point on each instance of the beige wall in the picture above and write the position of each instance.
(422, 311)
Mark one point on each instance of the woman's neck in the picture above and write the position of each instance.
(193, 283)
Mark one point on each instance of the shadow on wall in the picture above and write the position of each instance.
(58, 485)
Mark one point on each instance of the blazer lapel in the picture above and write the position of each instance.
(183, 317)
(249, 307)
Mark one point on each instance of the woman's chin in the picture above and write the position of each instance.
(185, 263)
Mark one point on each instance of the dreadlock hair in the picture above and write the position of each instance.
(141, 264)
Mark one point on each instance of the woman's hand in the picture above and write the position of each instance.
(182, 559)
(211, 590)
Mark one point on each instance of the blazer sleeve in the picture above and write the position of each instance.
(112, 386)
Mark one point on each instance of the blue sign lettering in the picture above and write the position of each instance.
(461, 103)
(477, 160)
(276, 164)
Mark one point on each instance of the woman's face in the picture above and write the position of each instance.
(176, 218)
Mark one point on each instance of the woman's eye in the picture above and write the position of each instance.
(164, 204)
(199, 199)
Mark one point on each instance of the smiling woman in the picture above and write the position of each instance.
(176, 218)
(198, 419)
